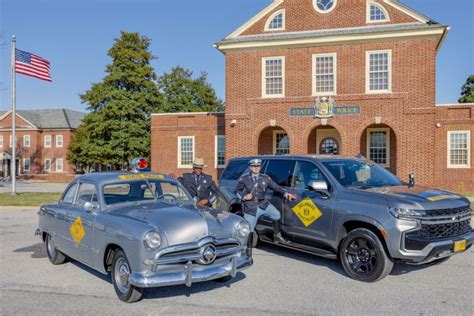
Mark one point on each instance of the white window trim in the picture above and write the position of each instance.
(270, 19)
(62, 165)
(216, 152)
(387, 16)
(316, 94)
(315, 6)
(275, 133)
(367, 71)
(44, 167)
(62, 141)
(387, 130)
(1, 141)
(468, 165)
(50, 141)
(24, 141)
(179, 152)
(24, 164)
(264, 86)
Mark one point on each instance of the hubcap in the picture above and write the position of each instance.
(121, 274)
(51, 247)
(361, 256)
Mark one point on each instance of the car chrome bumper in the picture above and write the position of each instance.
(190, 273)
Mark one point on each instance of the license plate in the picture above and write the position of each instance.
(459, 245)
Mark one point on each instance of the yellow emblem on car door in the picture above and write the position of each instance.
(77, 231)
(307, 211)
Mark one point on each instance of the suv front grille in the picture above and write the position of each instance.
(445, 230)
(448, 211)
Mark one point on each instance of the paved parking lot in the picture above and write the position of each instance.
(281, 282)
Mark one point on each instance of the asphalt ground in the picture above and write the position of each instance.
(280, 282)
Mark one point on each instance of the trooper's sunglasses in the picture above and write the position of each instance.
(255, 166)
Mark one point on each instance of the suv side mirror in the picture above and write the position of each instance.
(319, 186)
(91, 206)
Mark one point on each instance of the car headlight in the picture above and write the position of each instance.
(242, 230)
(406, 213)
(152, 240)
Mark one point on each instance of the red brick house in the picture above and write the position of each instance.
(43, 137)
(333, 77)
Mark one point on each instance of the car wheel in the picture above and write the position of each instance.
(120, 273)
(54, 255)
(363, 256)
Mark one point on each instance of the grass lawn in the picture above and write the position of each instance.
(28, 199)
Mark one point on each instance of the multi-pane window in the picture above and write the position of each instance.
(376, 13)
(324, 74)
(273, 81)
(378, 71)
(59, 165)
(47, 165)
(59, 140)
(11, 140)
(47, 141)
(378, 146)
(220, 151)
(1, 141)
(26, 165)
(185, 151)
(277, 22)
(26, 141)
(329, 146)
(281, 143)
(459, 143)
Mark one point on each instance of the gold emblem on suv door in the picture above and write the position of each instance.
(307, 211)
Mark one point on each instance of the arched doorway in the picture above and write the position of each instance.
(324, 140)
(379, 144)
(273, 141)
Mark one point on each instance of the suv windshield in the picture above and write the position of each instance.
(144, 190)
(355, 173)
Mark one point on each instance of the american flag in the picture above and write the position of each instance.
(32, 65)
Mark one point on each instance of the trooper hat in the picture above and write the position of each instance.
(255, 162)
(198, 163)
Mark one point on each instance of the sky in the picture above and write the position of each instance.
(75, 35)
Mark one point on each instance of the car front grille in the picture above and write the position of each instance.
(445, 230)
(448, 211)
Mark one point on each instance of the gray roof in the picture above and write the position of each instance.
(52, 118)
(331, 32)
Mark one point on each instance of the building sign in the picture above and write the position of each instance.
(325, 108)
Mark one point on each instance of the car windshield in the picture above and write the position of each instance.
(143, 190)
(355, 173)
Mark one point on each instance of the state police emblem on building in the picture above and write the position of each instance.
(324, 107)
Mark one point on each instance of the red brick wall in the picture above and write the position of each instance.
(164, 140)
(301, 16)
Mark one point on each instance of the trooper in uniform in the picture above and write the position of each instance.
(200, 185)
(251, 189)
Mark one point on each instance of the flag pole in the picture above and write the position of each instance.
(13, 160)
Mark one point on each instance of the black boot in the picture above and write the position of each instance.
(277, 236)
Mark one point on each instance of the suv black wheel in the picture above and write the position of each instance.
(54, 255)
(363, 256)
(120, 272)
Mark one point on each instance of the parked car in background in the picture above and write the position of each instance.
(352, 209)
(145, 230)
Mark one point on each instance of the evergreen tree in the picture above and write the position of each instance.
(117, 128)
(467, 91)
(182, 93)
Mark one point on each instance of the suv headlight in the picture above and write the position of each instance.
(152, 240)
(242, 230)
(406, 213)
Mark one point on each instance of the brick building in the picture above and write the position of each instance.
(330, 77)
(43, 137)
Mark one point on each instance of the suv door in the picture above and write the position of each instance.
(308, 219)
(81, 223)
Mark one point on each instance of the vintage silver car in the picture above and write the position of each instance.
(144, 229)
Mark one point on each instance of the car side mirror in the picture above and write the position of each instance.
(319, 186)
(91, 206)
(411, 180)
